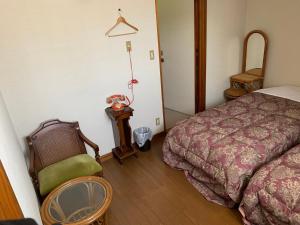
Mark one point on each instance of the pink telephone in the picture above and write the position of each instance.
(117, 101)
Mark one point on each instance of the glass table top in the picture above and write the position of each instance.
(77, 202)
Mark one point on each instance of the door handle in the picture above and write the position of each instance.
(162, 59)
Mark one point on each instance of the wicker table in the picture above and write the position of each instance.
(84, 200)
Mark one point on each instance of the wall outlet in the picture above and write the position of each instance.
(128, 46)
(157, 121)
(152, 56)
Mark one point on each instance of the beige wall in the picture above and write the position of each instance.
(280, 20)
(13, 161)
(57, 63)
(225, 34)
(176, 20)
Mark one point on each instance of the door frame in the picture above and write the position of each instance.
(9, 208)
(200, 21)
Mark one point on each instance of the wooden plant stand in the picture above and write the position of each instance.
(122, 133)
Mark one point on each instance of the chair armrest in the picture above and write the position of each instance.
(92, 145)
(31, 164)
(32, 171)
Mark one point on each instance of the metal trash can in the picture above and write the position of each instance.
(142, 137)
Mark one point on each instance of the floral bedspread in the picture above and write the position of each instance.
(221, 148)
(273, 194)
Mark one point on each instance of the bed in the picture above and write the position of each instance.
(220, 149)
(273, 194)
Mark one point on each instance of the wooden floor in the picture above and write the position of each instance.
(148, 192)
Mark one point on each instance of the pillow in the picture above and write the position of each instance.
(60, 172)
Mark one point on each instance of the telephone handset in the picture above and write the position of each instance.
(117, 101)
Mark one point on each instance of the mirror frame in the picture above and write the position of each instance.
(246, 50)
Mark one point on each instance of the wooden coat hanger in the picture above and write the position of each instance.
(120, 20)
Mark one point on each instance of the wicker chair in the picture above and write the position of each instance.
(55, 141)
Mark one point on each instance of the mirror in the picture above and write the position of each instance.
(255, 53)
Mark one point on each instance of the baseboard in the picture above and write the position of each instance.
(106, 157)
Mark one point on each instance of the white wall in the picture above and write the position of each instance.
(176, 21)
(225, 35)
(280, 20)
(14, 164)
(57, 63)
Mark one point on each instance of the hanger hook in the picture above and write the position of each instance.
(120, 11)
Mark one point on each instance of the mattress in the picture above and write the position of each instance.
(288, 92)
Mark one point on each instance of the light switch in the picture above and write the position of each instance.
(157, 121)
(152, 56)
(128, 46)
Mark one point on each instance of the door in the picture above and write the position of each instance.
(182, 41)
(177, 41)
(9, 206)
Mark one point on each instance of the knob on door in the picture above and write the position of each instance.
(162, 59)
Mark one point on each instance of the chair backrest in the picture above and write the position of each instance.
(54, 141)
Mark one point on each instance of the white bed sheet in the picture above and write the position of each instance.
(289, 92)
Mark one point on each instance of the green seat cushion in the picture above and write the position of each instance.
(73, 167)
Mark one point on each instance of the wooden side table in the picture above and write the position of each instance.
(122, 133)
